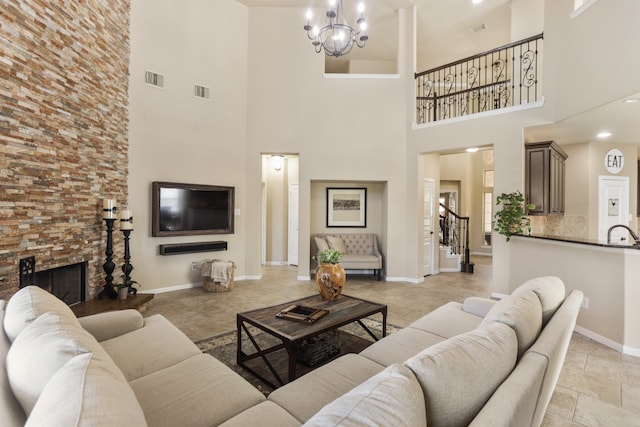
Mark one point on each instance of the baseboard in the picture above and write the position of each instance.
(304, 277)
(403, 279)
(498, 295)
(276, 263)
(449, 270)
(192, 285)
(625, 349)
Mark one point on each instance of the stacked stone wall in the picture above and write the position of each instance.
(64, 72)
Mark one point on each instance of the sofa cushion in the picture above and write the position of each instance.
(262, 414)
(41, 349)
(391, 398)
(399, 346)
(29, 303)
(336, 242)
(305, 396)
(199, 391)
(523, 313)
(321, 243)
(12, 413)
(84, 392)
(459, 375)
(448, 320)
(549, 289)
(158, 345)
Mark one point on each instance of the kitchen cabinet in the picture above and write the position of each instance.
(545, 178)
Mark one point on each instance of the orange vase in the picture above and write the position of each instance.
(330, 279)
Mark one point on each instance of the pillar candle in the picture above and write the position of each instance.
(126, 220)
(109, 209)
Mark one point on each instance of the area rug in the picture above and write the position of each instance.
(223, 347)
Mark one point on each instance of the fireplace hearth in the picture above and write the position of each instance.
(67, 282)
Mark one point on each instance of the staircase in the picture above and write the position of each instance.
(449, 262)
(454, 242)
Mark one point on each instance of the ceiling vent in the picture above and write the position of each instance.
(479, 27)
(154, 79)
(201, 92)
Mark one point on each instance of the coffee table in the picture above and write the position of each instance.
(342, 311)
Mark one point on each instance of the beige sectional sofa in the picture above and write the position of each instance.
(482, 362)
(359, 250)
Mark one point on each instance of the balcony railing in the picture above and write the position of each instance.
(502, 77)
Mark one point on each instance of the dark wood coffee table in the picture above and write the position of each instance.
(342, 311)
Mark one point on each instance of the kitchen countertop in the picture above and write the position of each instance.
(579, 240)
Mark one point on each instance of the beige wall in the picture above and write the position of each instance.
(176, 137)
(612, 316)
(344, 129)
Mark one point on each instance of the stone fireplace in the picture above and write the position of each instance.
(64, 134)
(68, 282)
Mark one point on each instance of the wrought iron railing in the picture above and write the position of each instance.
(454, 233)
(499, 78)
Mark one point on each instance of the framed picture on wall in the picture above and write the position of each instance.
(346, 207)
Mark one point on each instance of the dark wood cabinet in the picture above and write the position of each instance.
(545, 178)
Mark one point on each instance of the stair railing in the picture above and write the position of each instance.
(499, 78)
(452, 227)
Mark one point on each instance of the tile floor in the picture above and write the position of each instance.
(598, 386)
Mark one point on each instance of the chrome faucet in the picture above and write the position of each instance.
(633, 234)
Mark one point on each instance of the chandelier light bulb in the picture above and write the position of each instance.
(309, 14)
(332, 3)
(363, 25)
(315, 31)
(360, 7)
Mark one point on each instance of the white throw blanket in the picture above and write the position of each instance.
(219, 270)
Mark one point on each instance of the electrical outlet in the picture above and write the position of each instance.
(585, 303)
(194, 266)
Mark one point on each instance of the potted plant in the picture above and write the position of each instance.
(331, 256)
(330, 275)
(125, 286)
(512, 218)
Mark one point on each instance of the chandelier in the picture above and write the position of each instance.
(336, 37)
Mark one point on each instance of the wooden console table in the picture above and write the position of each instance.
(138, 302)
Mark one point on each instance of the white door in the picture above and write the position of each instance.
(613, 207)
(263, 257)
(293, 225)
(428, 227)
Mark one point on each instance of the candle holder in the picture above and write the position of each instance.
(127, 267)
(109, 266)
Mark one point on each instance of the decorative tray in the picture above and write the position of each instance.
(302, 313)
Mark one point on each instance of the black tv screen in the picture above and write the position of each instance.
(191, 209)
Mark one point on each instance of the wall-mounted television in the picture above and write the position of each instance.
(191, 209)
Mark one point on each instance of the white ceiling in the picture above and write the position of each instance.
(620, 118)
(443, 26)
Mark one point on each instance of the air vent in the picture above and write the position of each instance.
(153, 79)
(479, 27)
(201, 92)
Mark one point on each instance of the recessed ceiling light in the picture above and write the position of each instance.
(476, 1)
(472, 149)
(603, 135)
(631, 100)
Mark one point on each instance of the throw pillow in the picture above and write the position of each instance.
(29, 303)
(391, 398)
(459, 375)
(336, 242)
(84, 392)
(522, 313)
(549, 289)
(321, 243)
(41, 349)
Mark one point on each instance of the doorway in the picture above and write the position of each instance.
(428, 227)
(280, 209)
(613, 207)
